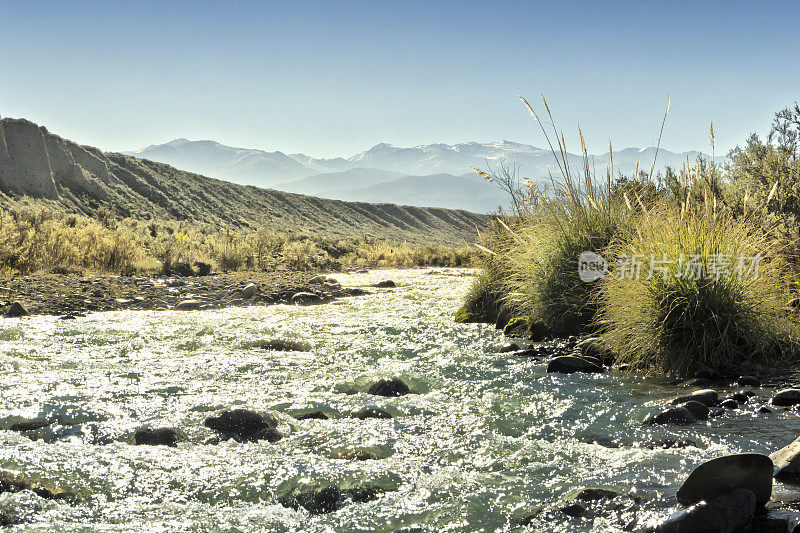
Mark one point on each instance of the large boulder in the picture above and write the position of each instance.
(787, 462)
(786, 398)
(389, 387)
(726, 513)
(568, 364)
(708, 397)
(752, 471)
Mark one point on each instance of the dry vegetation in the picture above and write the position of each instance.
(666, 322)
(35, 237)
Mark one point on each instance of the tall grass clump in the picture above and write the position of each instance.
(695, 290)
(547, 232)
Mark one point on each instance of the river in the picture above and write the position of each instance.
(484, 440)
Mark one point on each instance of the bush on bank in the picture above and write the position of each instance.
(664, 323)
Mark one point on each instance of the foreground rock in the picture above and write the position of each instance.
(724, 514)
(569, 364)
(156, 437)
(329, 499)
(389, 387)
(245, 425)
(786, 398)
(715, 478)
(787, 462)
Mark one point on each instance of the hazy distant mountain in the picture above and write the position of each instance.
(240, 165)
(366, 176)
(335, 182)
(469, 192)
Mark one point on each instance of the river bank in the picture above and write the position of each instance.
(70, 295)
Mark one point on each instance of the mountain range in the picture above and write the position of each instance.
(39, 166)
(432, 175)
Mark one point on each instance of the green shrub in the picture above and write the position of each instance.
(686, 318)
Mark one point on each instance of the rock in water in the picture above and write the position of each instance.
(387, 284)
(724, 514)
(676, 415)
(568, 364)
(722, 475)
(787, 462)
(786, 398)
(389, 387)
(708, 397)
(699, 410)
(748, 381)
(17, 310)
(156, 437)
(248, 425)
(371, 412)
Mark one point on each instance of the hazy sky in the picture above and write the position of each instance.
(334, 78)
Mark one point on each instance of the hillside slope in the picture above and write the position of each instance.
(37, 164)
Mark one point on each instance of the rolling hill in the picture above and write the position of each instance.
(37, 164)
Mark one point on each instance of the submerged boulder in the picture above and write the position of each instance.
(371, 412)
(247, 425)
(329, 499)
(714, 478)
(156, 437)
(568, 364)
(389, 387)
(15, 482)
(726, 513)
(386, 284)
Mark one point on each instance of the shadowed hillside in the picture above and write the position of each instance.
(37, 164)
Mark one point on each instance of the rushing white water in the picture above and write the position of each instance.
(485, 439)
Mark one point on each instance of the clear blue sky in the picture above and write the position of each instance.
(335, 77)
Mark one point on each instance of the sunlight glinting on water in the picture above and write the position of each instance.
(484, 440)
